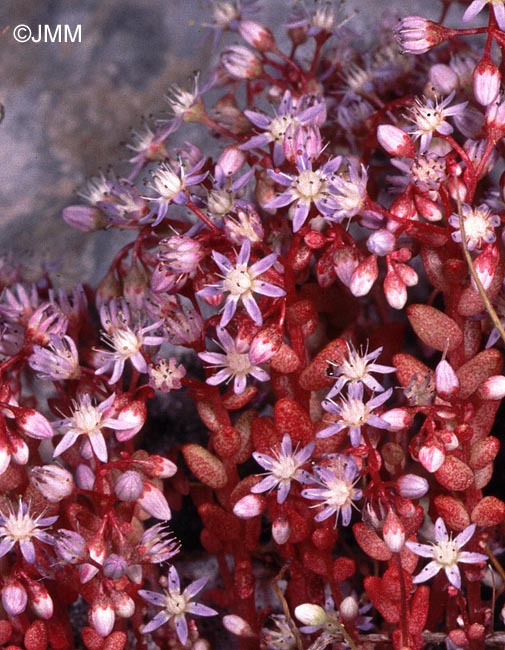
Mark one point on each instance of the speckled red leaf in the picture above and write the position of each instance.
(389, 609)
(285, 360)
(484, 452)
(435, 328)
(234, 402)
(454, 474)
(205, 466)
(314, 376)
(290, 417)
(407, 366)
(490, 511)
(475, 371)
(370, 542)
(264, 434)
(222, 524)
(419, 608)
(452, 511)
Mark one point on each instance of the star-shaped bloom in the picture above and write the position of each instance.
(354, 413)
(357, 368)
(307, 188)
(240, 281)
(290, 113)
(336, 491)
(21, 528)
(283, 467)
(430, 117)
(175, 605)
(89, 420)
(234, 363)
(445, 554)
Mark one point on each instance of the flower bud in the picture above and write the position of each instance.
(157, 467)
(19, 449)
(70, 546)
(265, 344)
(84, 477)
(281, 530)
(240, 63)
(381, 242)
(486, 82)
(40, 600)
(431, 458)
(54, 482)
(256, 35)
(129, 486)
(33, 424)
(443, 79)
(313, 615)
(84, 218)
(398, 419)
(14, 598)
(395, 141)
(411, 486)
(417, 35)
(364, 276)
(231, 160)
(249, 506)
(393, 532)
(154, 503)
(395, 290)
(446, 380)
(237, 626)
(349, 609)
(493, 388)
(486, 265)
(102, 617)
(114, 566)
(124, 606)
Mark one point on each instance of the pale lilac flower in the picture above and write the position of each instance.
(280, 637)
(336, 491)
(283, 467)
(147, 145)
(235, 363)
(479, 226)
(240, 281)
(241, 63)
(170, 183)
(222, 198)
(348, 193)
(354, 413)
(445, 554)
(357, 368)
(89, 420)
(175, 605)
(126, 343)
(430, 117)
(124, 206)
(323, 18)
(477, 6)
(58, 361)
(291, 112)
(307, 188)
(21, 528)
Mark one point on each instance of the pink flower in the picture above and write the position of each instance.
(21, 528)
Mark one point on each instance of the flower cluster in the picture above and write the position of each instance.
(293, 365)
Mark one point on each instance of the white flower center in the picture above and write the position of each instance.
(339, 493)
(220, 202)
(279, 126)
(428, 118)
(175, 604)
(87, 418)
(125, 342)
(354, 412)
(19, 529)
(238, 281)
(310, 185)
(478, 226)
(239, 364)
(446, 553)
(167, 183)
(284, 468)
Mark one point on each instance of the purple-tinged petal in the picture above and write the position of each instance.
(300, 214)
(174, 584)
(259, 374)
(441, 531)
(430, 570)
(465, 535)
(251, 307)
(27, 550)
(280, 201)
(245, 252)
(220, 377)
(153, 597)
(263, 265)
(98, 445)
(266, 484)
(160, 619)
(468, 557)
(420, 549)
(267, 462)
(256, 141)
(453, 575)
(200, 610)
(66, 442)
(258, 119)
(5, 546)
(239, 384)
(267, 289)
(474, 8)
(181, 627)
(195, 587)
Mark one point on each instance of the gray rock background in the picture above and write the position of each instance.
(68, 106)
